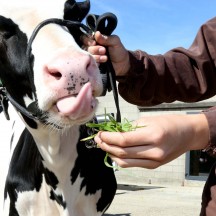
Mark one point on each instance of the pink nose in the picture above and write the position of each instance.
(68, 71)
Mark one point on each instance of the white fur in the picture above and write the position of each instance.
(44, 206)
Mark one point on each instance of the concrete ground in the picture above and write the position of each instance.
(150, 200)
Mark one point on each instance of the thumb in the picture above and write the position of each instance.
(106, 40)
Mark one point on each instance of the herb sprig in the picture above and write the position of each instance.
(110, 125)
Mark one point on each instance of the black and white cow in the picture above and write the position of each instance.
(50, 171)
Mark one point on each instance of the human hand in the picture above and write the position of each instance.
(118, 54)
(162, 139)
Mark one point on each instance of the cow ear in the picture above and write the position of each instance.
(76, 11)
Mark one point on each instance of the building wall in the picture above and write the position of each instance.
(171, 173)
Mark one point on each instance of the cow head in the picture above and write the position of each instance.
(59, 81)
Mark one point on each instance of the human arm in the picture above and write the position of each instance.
(187, 75)
(162, 139)
(180, 74)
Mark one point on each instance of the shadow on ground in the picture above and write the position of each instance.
(123, 188)
(136, 187)
(126, 214)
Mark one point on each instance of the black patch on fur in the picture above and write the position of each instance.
(25, 172)
(14, 70)
(51, 179)
(58, 199)
(90, 166)
(30, 122)
(13, 60)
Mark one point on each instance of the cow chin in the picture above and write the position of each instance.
(69, 109)
(58, 121)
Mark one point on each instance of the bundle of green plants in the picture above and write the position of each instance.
(110, 125)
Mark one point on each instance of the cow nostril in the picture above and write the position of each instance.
(51, 72)
(57, 75)
(88, 64)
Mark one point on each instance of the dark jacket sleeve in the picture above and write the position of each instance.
(187, 75)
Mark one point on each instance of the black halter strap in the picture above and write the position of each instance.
(106, 24)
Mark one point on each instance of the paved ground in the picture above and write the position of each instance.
(149, 200)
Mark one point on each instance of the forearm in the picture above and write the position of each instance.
(200, 131)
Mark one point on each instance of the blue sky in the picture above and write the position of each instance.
(156, 26)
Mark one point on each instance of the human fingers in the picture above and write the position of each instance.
(99, 53)
(145, 156)
(119, 56)
(141, 136)
(144, 152)
(142, 163)
(106, 40)
(99, 42)
(97, 50)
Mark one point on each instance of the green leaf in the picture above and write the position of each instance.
(110, 125)
(108, 165)
(88, 138)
